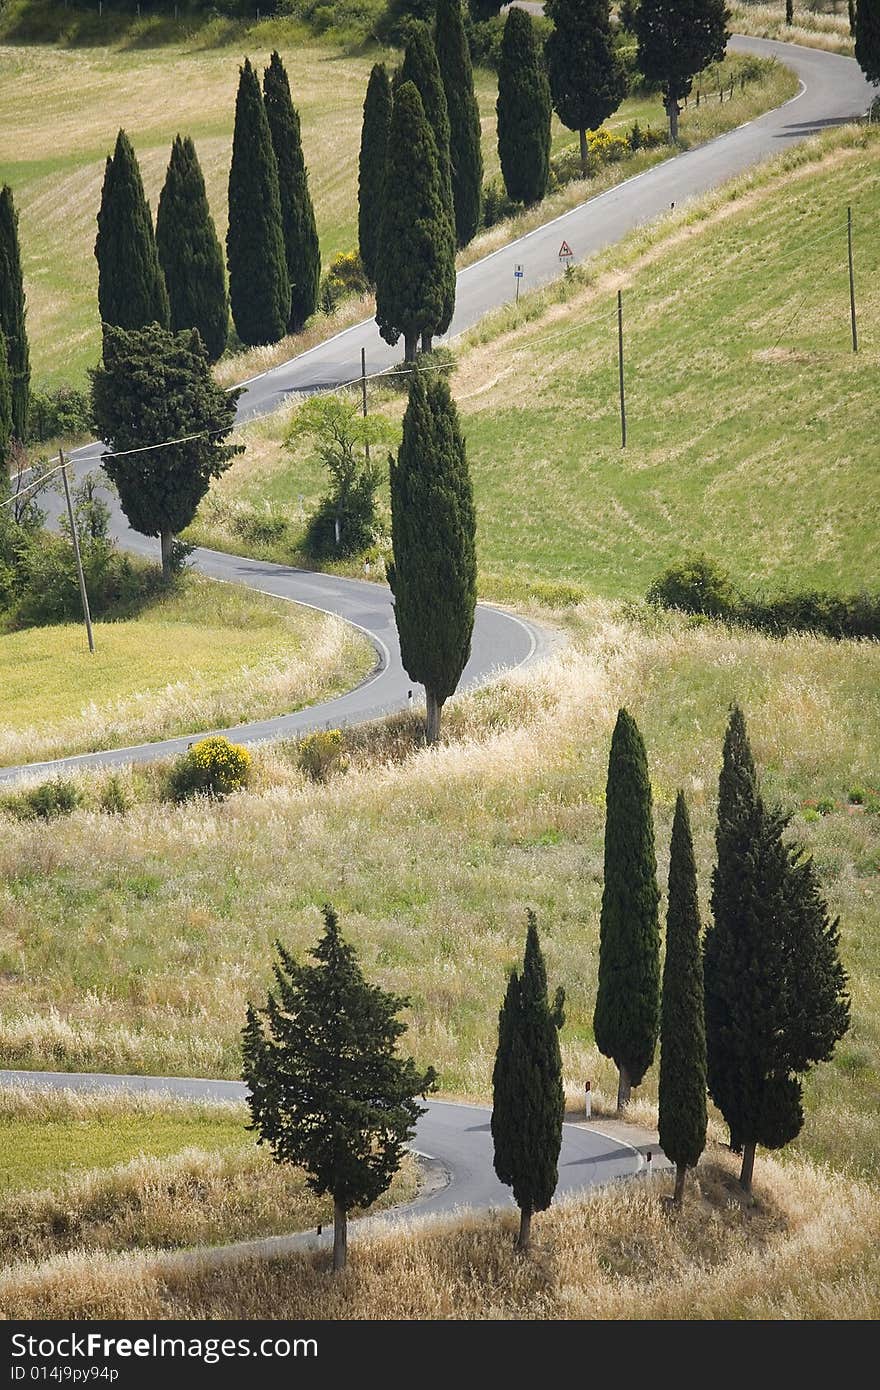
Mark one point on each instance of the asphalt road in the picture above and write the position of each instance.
(456, 1137)
(833, 90)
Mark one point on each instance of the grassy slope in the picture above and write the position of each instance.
(205, 655)
(52, 150)
(615, 1254)
(432, 859)
(822, 24)
(751, 422)
(102, 1172)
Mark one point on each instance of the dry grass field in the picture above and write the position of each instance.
(820, 24)
(807, 1247)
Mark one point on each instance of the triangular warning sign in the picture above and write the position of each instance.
(565, 249)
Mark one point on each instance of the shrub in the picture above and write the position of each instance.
(826, 806)
(344, 278)
(322, 754)
(114, 799)
(697, 585)
(496, 204)
(61, 413)
(857, 796)
(45, 801)
(811, 814)
(212, 767)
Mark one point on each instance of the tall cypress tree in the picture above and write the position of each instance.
(433, 529)
(677, 39)
(867, 36)
(12, 314)
(776, 998)
(524, 111)
(371, 166)
(682, 1020)
(259, 285)
(131, 286)
(297, 213)
(189, 251)
(415, 267)
(528, 1101)
(5, 415)
(628, 998)
(421, 67)
(586, 76)
(466, 155)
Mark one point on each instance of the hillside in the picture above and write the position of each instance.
(751, 423)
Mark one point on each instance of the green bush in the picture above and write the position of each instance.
(212, 767)
(59, 414)
(44, 801)
(114, 799)
(345, 278)
(698, 585)
(826, 806)
(322, 754)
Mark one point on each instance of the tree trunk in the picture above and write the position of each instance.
(680, 1175)
(748, 1167)
(852, 16)
(585, 153)
(410, 346)
(427, 341)
(434, 710)
(672, 112)
(789, 11)
(340, 1235)
(525, 1229)
(166, 540)
(624, 1087)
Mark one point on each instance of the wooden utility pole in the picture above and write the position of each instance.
(364, 395)
(620, 368)
(852, 285)
(74, 536)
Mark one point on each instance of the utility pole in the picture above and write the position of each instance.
(620, 368)
(852, 285)
(74, 536)
(364, 395)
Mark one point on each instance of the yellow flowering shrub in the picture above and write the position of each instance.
(211, 767)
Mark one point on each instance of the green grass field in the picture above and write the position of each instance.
(752, 424)
(53, 148)
(203, 656)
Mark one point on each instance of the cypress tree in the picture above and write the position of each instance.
(433, 525)
(482, 10)
(528, 1101)
(371, 166)
(259, 286)
(682, 1021)
(131, 287)
(12, 314)
(189, 251)
(867, 36)
(415, 267)
(297, 213)
(524, 111)
(677, 39)
(328, 1090)
(156, 386)
(628, 998)
(420, 66)
(776, 999)
(586, 76)
(5, 415)
(466, 155)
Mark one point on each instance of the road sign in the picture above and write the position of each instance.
(518, 272)
(565, 252)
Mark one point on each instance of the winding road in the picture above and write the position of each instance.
(455, 1137)
(833, 90)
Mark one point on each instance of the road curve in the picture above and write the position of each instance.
(455, 1136)
(833, 90)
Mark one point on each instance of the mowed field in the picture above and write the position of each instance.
(60, 109)
(202, 656)
(751, 423)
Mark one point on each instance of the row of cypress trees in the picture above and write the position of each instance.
(775, 990)
(176, 278)
(746, 1010)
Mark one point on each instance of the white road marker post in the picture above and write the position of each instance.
(518, 275)
(588, 1102)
